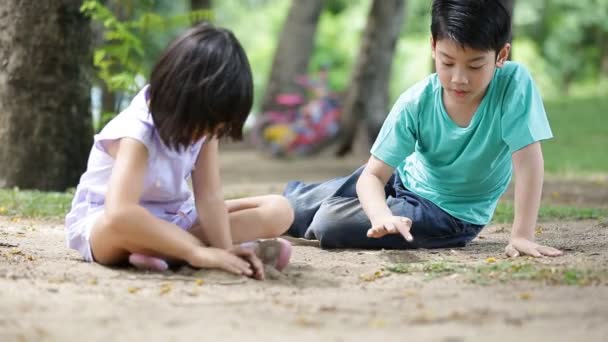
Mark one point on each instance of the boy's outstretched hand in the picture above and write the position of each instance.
(523, 246)
(391, 225)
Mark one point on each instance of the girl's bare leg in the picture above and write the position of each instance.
(135, 230)
(253, 218)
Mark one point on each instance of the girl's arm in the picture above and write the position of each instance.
(209, 198)
(122, 204)
(529, 168)
(141, 230)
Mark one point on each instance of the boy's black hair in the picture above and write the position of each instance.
(478, 24)
(201, 84)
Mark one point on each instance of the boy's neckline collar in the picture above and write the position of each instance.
(478, 111)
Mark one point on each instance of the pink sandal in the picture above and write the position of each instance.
(149, 263)
(273, 252)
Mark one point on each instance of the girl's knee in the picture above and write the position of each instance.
(280, 212)
(106, 243)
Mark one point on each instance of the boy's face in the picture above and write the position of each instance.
(465, 73)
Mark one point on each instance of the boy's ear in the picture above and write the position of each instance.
(503, 55)
(432, 47)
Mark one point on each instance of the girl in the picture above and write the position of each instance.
(133, 202)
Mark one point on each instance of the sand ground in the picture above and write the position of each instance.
(469, 294)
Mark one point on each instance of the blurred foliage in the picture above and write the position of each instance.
(560, 40)
(125, 52)
(571, 36)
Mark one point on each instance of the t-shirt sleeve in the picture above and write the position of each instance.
(134, 122)
(524, 120)
(397, 137)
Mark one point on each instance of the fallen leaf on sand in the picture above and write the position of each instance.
(525, 296)
(306, 322)
(375, 276)
(377, 323)
(133, 289)
(165, 288)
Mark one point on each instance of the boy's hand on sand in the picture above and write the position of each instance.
(522, 246)
(210, 257)
(391, 225)
(248, 254)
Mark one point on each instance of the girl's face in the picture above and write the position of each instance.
(465, 73)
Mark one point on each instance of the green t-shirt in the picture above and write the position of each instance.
(463, 170)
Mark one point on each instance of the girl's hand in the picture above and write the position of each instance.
(391, 225)
(521, 246)
(210, 257)
(250, 256)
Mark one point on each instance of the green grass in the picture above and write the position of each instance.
(504, 213)
(580, 136)
(35, 204)
(487, 273)
(38, 204)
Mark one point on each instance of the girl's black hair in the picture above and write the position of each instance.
(201, 85)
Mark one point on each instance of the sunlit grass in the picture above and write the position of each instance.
(38, 204)
(504, 213)
(492, 271)
(34, 204)
(581, 136)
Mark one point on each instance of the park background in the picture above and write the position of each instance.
(68, 66)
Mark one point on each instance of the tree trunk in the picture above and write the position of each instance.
(45, 116)
(200, 4)
(603, 43)
(367, 97)
(197, 5)
(294, 50)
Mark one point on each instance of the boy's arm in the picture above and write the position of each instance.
(370, 190)
(529, 168)
(209, 198)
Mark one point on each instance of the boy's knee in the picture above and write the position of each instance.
(329, 237)
(330, 233)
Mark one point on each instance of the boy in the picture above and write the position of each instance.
(444, 155)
